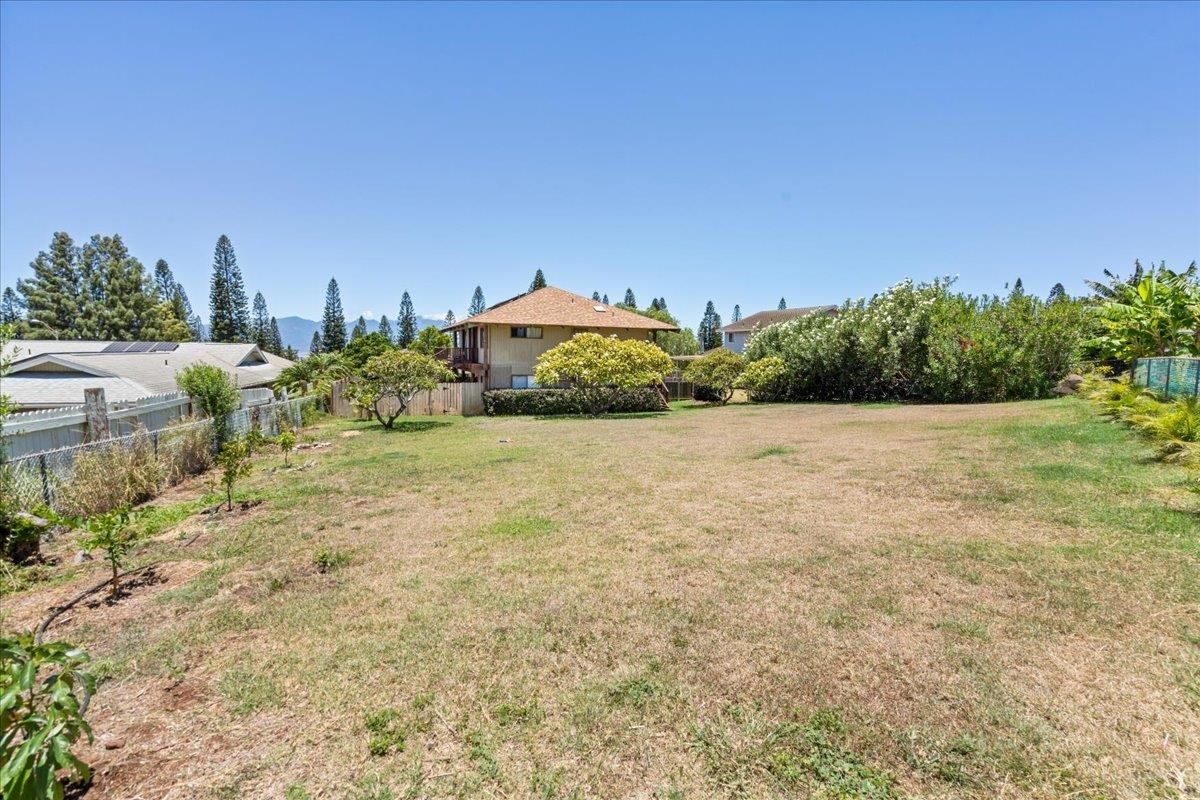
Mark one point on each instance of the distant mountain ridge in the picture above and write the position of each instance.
(297, 331)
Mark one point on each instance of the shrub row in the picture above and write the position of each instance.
(924, 342)
(547, 402)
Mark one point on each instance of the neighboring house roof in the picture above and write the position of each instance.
(47, 373)
(764, 318)
(553, 306)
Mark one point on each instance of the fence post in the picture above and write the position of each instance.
(154, 438)
(45, 479)
(96, 412)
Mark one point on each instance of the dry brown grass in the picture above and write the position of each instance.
(635, 607)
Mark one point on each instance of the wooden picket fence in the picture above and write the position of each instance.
(465, 399)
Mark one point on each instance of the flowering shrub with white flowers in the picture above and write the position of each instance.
(924, 342)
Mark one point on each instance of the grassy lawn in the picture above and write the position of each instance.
(751, 601)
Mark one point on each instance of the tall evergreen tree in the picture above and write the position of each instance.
(229, 309)
(737, 314)
(360, 328)
(52, 297)
(782, 304)
(333, 322)
(314, 346)
(1057, 292)
(276, 343)
(449, 320)
(630, 300)
(385, 327)
(164, 279)
(478, 304)
(605, 299)
(10, 307)
(196, 327)
(662, 304)
(596, 296)
(1018, 288)
(406, 322)
(119, 298)
(260, 322)
(709, 331)
(539, 281)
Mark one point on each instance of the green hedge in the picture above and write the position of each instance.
(546, 402)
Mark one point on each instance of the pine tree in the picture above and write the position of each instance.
(406, 322)
(709, 331)
(654, 304)
(181, 309)
(119, 298)
(1018, 289)
(333, 322)
(314, 346)
(385, 327)
(605, 300)
(276, 343)
(630, 300)
(164, 279)
(1057, 292)
(290, 353)
(449, 320)
(737, 314)
(782, 304)
(10, 307)
(196, 326)
(229, 310)
(260, 323)
(52, 296)
(360, 328)
(596, 296)
(539, 281)
(478, 304)
(662, 304)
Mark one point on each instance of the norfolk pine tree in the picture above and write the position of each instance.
(333, 322)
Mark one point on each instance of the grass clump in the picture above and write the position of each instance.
(521, 526)
(806, 757)
(328, 559)
(774, 450)
(248, 691)
(385, 732)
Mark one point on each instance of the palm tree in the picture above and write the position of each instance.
(315, 374)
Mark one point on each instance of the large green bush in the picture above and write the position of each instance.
(923, 342)
(547, 402)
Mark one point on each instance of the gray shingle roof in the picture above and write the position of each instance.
(46, 372)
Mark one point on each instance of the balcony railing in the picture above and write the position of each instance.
(458, 355)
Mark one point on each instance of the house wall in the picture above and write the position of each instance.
(507, 356)
(736, 341)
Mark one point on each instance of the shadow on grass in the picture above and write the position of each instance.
(629, 415)
(416, 425)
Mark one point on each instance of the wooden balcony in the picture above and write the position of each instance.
(456, 356)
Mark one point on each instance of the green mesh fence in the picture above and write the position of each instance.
(1169, 377)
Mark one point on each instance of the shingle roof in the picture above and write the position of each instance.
(553, 306)
(47, 371)
(764, 318)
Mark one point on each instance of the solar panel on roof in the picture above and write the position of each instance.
(116, 347)
(164, 347)
(140, 347)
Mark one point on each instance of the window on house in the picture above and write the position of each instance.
(524, 382)
(527, 333)
(729, 337)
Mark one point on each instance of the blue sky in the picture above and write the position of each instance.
(728, 152)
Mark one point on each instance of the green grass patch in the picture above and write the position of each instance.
(521, 526)
(248, 691)
(774, 450)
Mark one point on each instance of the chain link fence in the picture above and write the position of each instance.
(93, 477)
(1174, 376)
